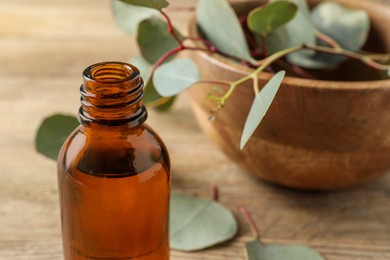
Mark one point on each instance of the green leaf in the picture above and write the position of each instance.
(151, 97)
(143, 66)
(296, 32)
(53, 132)
(154, 100)
(196, 223)
(176, 76)
(346, 26)
(263, 20)
(155, 4)
(258, 251)
(129, 16)
(221, 26)
(154, 39)
(260, 105)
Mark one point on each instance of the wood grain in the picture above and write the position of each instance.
(44, 46)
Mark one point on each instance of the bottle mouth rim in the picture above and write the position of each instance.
(111, 72)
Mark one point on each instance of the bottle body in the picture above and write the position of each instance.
(114, 184)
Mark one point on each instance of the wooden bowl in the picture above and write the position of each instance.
(317, 134)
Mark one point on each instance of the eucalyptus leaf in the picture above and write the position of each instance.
(151, 97)
(348, 27)
(143, 66)
(258, 251)
(221, 27)
(129, 16)
(263, 20)
(174, 77)
(196, 223)
(53, 132)
(155, 4)
(154, 39)
(260, 105)
(296, 32)
(154, 100)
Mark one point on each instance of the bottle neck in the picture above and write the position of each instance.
(111, 95)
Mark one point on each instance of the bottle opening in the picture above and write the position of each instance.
(111, 94)
(110, 72)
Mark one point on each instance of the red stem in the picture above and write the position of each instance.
(166, 56)
(250, 220)
(256, 52)
(197, 49)
(170, 28)
(204, 41)
(327, 39)
(242, 19)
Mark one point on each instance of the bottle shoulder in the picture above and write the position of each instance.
(113, 151)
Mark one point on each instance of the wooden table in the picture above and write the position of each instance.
(44, 46)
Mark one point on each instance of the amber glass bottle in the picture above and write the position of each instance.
(113, 173)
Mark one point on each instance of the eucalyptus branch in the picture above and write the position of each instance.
(254, 75)
(170, 28)
(350, 54)
(221, 100)
(165, 57)
(262, 64)
(372, 60)
(198, 49)
(256, 88)
(204, 41)
(377, 56)
(327, 39)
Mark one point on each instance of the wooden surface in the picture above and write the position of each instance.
(44, 46)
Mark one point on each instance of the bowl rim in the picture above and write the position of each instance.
(243, 70)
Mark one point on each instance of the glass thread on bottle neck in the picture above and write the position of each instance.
(111, 95)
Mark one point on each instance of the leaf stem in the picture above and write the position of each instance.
(260, 65)
(353, 55)
(204, 41)
(256, 84)
(166, 56)
(171, 29)
(327, 39)
(198, 49)
(377, 56)
(244, 211)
